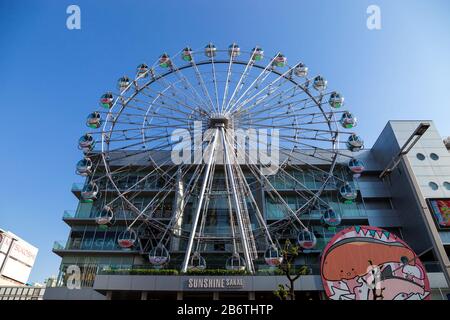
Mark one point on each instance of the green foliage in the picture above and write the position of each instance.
(290, 270)
(281, 293)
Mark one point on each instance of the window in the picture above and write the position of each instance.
(433, 185)
(434, 156)
(420, 156)
(446, 185)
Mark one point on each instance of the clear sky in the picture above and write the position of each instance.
(52, 77)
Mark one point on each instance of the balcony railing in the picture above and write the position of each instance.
(89, 245)
(264, 270)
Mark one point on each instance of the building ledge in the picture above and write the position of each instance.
(177, 283)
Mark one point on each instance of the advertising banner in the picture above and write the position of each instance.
(440, 209)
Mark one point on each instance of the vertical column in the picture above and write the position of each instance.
(199, 204)
(251, 295)
(215, 295)
(177, 211)
(180, 295)
(144, 295)
(108, 295)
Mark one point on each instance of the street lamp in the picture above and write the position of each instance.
(409, 144)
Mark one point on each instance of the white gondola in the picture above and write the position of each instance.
(94, 120)
(84, 167)
(197, 262)
(90, 191)
(356, 166)
(331, 218)
(306, 239)
(210, 50)
(301, 70)
(86, 143)
(319, 83)
(348, 193)
(159, 255)
(105, 217)
(127, 239)
(279, 60)
(234, 50)
(123, 83)
(235, 263)
(107, 100)
(336, 100)
(354, 143)
(347, 120)
(186, 55)
(257, 54)
(164, 61)
(273, 256)
(142, 70)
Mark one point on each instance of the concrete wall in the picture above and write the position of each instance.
(105, 283)
(384, 150)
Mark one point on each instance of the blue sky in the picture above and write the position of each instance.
(51, 77)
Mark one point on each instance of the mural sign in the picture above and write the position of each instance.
(440, 209)
(369, 263)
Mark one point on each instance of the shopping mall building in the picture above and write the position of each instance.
(403, 202)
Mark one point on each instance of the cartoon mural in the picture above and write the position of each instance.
(441, 212)
(368, 263)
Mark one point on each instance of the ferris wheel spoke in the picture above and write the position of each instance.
(258, 80)
(241, 81)
(176, 101)
(291, 155)
(269, 95)
(157, 199)
(173, 97)
(202, 100)
(241, 176)
(266, 181)
(215, 83)
(270, 88)
(202, 82)
(225, 93)
(277, 106)
(198, 104)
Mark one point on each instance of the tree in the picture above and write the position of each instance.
(289, 253)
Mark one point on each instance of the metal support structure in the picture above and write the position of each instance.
(248, 260)
(407, 146)
(200, 202)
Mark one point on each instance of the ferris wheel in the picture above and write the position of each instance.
(240, 121)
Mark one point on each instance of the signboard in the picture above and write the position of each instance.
(17, 257)
(23, 252)
(5, 242)
(16, 270)
(214, 283)
(440, 209)
(369, 263)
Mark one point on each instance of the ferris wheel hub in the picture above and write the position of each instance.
(220, 119)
